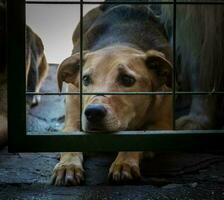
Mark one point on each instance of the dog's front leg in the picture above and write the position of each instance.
(201, 116)
(69, 170)
(126, 167)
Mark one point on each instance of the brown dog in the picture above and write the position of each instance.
(36, 65)
(36, 71)
(126, 50)
(200, 47)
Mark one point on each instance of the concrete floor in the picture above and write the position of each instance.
(168, 176)
(27, 176)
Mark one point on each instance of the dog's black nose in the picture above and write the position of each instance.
(95, 112)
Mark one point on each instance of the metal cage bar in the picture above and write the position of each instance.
(78, 141)
(97, 2)
(16, 75)
(196, 2)
(128, 141)
(174, 67)
(125, 93)
(81, 60)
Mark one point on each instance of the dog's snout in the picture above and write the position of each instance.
(95, 112)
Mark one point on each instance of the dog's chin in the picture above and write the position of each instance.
(100, 128)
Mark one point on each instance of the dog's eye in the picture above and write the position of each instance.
(126, 80)
(86, 80)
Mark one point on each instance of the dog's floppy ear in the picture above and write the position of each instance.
(68, 70)
(157, 62)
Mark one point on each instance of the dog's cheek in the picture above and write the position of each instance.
(141, 106)
(85, 100)
(125, 111)
(111, 122)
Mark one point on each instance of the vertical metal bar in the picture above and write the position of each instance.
(174, 64)
(81, 59)
(16, 73)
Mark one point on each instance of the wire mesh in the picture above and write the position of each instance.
(173, 93)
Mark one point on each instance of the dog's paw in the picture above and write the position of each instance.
(67, 173)
(36, 100)
(32, 101)
(190, 122)
(124, 171)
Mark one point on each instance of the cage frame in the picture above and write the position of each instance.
(20, 141)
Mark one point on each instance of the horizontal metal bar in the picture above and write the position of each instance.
(123, 2)
(99, 93)
(147, 2)
(121, 141)
(199, 93)
(96, 2)
(200, 2)
(140, 133)
(52, 2)
(124, 93)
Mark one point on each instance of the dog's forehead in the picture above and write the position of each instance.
(113, 57)
(116, 51)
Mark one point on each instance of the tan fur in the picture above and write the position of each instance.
(36, 64)
(69, 168)
(43, 71)
(35, 58)
(124, 112)
(126, 166)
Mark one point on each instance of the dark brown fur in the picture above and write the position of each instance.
(200, 47)
(36, 70)
(36, 65)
